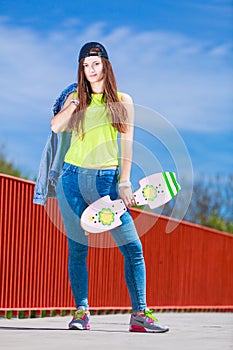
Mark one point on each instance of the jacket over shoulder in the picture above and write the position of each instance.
(53, 155)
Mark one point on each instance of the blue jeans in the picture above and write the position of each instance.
(76, 189)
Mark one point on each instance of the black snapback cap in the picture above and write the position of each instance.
(87, 48)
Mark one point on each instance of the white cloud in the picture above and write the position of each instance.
(184, 79)
(222, 50)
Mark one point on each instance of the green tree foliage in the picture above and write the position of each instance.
(211, 203)
(7, 167)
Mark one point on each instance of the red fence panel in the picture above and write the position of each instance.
(32, 252)
(190, 268)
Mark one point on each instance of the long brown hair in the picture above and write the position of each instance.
(116, 110)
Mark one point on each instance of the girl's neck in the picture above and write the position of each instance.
(97, 88)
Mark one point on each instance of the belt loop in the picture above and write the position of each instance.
(100, 173)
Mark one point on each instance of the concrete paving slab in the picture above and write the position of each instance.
(188, 331)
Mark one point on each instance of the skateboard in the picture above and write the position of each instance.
(155, 190)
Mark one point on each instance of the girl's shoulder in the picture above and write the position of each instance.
(124, 97)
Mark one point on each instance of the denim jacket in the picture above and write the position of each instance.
(53, 156)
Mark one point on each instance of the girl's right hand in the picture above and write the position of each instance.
(126, 195)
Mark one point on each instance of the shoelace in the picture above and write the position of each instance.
(148, 313)
(79, 314)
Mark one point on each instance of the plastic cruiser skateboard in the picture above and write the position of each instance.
(155, 190)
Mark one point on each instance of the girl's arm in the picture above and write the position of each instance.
(59, 122)
(127, 152)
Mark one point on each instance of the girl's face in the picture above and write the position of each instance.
(93, 69)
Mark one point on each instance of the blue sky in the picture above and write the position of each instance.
(174, 57)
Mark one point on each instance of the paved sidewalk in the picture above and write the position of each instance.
(188, 331)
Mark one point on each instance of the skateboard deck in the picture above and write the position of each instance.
(155, 190)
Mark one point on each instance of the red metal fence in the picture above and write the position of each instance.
(190, 268)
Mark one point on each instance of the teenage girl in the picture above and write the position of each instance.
(95, 114)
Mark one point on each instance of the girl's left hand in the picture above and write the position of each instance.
(127, 195)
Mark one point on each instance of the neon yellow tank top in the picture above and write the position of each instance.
(99, 147)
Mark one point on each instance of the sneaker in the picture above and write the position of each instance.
(145, 322)
(81, 320)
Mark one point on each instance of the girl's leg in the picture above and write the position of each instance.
(71, 206)
(142, 319)
(78, 273)
(130, 246)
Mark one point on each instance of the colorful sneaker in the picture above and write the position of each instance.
(81, 320)
(145, 322)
